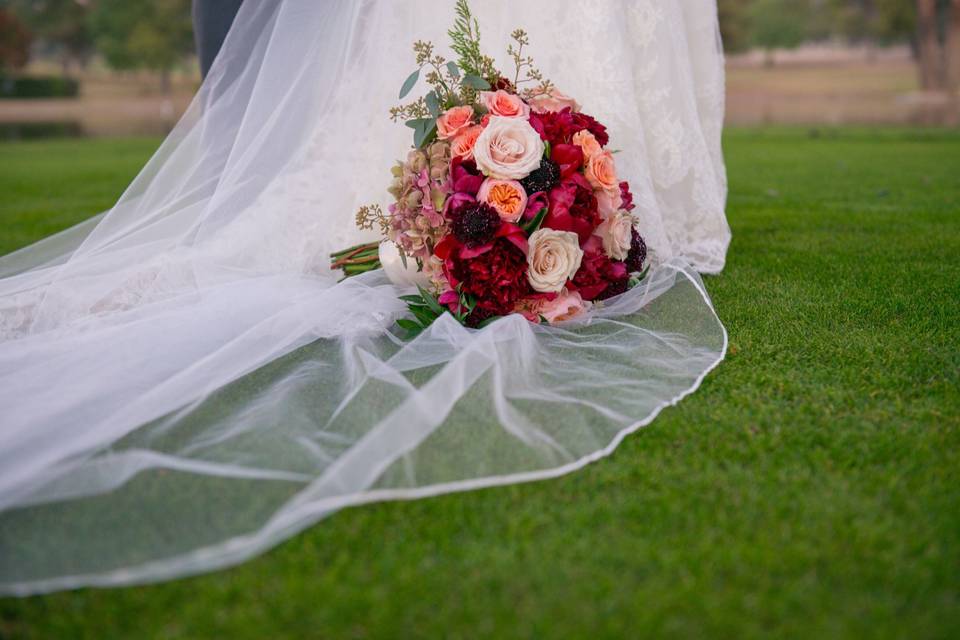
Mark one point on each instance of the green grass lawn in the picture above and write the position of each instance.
(811, 488)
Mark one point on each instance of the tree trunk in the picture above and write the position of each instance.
(931, 59)
(953, 46)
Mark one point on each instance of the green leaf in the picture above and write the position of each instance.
(409, 83)
(488, 321)
(534, 224)
(453, 69)
(547, 150)
(433, 104)
(431, 302)
(412, 299)
(409, 325)
(423, 134)
(476, 82)
(423, 315)
(419, 122)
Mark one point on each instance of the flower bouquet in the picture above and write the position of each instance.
(509, 201)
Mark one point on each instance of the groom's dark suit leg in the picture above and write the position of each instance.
(211, 22)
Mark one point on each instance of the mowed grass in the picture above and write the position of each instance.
(810, 488)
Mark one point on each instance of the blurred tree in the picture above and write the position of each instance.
(734, 24)
(952, 53)
(147, 34)
(14, 42)
(778, 24)
(61, 25)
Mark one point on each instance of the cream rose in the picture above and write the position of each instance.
(616, 231)
(601, 172)
(553, 102)
(503, 104)
(552, 259)
(453, 121)
(508, 149)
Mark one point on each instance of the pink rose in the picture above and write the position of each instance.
(503, 104)
(588, 143)
(508, 197)
(609, 202)
(464, 143)
(454, 121)
(553, 102)
(565, 305)
(601, 172)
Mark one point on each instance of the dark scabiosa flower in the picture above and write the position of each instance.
(475, 223)
(543, 179)
(638, 253)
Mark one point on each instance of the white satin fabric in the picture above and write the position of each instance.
(184, 383)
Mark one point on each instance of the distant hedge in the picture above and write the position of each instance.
(38, 87)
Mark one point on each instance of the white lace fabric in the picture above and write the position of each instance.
(184, 381)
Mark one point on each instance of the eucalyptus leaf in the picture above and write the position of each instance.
(419, 122)
(422, 134)
(453, 69)
(476, 82)
(433, 104)
(409, 83)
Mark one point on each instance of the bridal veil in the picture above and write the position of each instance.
(184, 383)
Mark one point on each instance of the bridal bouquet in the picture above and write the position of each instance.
(509, 202)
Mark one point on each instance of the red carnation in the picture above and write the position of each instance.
(583, 121)
(599, 277)
(573, 207)
(559, 127)
(495, 274)
(626, 197)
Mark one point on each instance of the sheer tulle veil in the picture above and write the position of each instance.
(184, 383)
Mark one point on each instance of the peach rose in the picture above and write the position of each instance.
(464, 143)
(453, 121)
(508, 149)
(587, 143)
(566, 306)
(508, 197)
(552, 259)
(553, 102)
(616, 231)
(601, 172)
(503, 104)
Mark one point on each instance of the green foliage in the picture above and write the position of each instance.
(807, 490)
(156, 34)
(60, 24)
(38, 87)
(779, 24)
(465, 42)
(425, 309)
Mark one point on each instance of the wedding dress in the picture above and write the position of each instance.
(183, 381)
